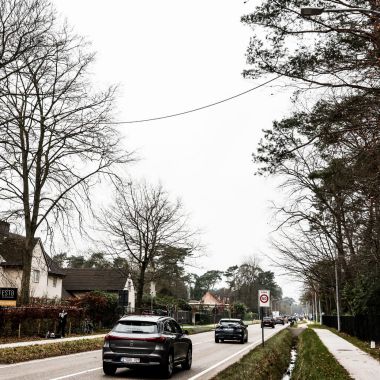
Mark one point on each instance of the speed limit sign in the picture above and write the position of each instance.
(264, 298)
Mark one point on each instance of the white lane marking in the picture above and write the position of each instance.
(46, 359)
(76, 374)
(228, 358)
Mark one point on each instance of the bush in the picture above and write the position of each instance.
(100, 307)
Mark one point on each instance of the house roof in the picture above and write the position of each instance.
(87, 279)
(11, 248)
(209, 298)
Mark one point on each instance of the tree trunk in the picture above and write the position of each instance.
(26, 271)
(140, 288)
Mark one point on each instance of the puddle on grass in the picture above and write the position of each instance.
(293, 356)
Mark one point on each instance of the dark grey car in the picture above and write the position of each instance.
(231, 329)
(141, 340)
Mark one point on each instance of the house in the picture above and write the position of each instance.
(208, 303)
(46, 276)
(79, 281)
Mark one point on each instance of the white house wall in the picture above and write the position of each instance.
(40, 288)
(54, 292)
(10, 278)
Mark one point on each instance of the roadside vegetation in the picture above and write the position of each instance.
(268, 362)
(41, 351)
(314, 361)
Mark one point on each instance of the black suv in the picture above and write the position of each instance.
(231, 329)
(141, 340)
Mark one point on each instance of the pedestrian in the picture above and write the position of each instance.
(62, 318)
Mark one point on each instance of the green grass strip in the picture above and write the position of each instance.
(314, 361)
(262, 363)
(41, 351)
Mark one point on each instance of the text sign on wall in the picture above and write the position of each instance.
(264, 298)
(8, 296)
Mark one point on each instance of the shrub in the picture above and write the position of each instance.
(100, 307)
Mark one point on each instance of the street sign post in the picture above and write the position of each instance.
(264, 301)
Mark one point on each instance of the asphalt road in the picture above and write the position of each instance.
(208, 359)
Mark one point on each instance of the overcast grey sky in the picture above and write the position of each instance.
(170, 56)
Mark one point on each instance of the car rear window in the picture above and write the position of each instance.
(136, 327)
(226, 322)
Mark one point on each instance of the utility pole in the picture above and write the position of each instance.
(337, 292)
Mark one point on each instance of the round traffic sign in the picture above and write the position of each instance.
(264, 298)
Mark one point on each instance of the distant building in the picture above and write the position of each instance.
(79, 281)
(208, 303)
(45, 277)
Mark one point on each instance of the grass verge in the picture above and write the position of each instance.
(269, 362)
(314, 361)
(22, 354)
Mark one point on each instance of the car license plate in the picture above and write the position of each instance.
(130, 360)
(229, 329)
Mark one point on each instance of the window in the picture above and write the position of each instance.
(175, 327)
(168, 328)
(136, 327)
(54, 282)
(36, 275)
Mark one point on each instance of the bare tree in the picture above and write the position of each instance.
(55, 143)
(140, 223)
(23, 24)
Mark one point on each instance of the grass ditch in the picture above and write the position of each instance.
(314, 361)
(269, 362)
(42, 351)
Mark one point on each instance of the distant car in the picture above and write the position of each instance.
(279, 321)
(231, 329)
(146, 341)
(268, 321)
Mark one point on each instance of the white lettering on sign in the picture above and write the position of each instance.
(8, 294)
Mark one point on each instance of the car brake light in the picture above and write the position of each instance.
(156, 339)
(109, 337)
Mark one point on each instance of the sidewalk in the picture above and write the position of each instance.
(47, 341)
(358, 363)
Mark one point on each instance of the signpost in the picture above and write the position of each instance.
(8, 296)
(264, 301)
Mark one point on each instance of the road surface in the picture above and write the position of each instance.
(209, 358)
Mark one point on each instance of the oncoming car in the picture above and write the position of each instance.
(146, 341)
(231, 329)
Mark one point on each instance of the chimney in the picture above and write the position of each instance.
(4, 229)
